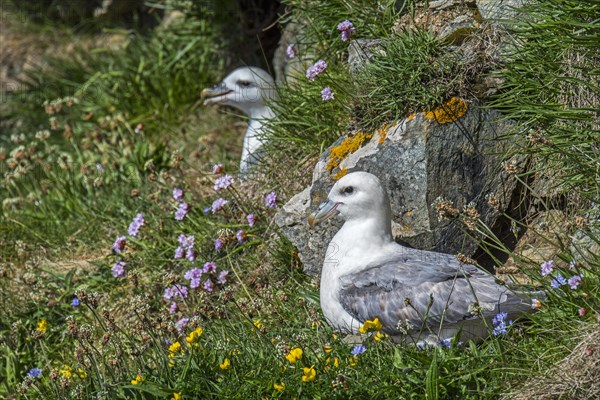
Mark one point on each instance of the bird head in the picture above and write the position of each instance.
(246, 88)
(357, 196)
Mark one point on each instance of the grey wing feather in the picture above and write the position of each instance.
(422, 286)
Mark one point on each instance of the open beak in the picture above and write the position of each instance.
(326, 210)
(214, 94)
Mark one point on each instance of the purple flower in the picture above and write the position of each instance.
(218, 205)
(136, 224)
(206, 210)
(209, 267)
(176, 291)
(182, 210)
(500, 324)
(446, 342)
(219, 244)
(190, 255)
(271, 200)
(179, 253)
(314, 70)
(181, 324)
(240, 236)
(575, 281)
(100, 168)
(217, 169)
(173, 309)
(558, 281)
(222, 278)
(223, 182)
(187, 242)
(547, 267)
(290, 51)
(119, 244)
(208, 285)
(346, 28)
(251, 219)
(178, 194)
(34, 373)
(75, 302)
(358, 349)
(193, 275)
(327, 94)
(118, 270)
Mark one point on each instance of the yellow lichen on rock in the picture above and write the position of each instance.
(340, 174)
(383, 131)
(348, 146)
(452, 110)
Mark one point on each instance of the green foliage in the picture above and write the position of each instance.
(552, 89)
(412, 71)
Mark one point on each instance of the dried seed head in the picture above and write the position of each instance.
(444, 209)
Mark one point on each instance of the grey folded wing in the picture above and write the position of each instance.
(413, 290)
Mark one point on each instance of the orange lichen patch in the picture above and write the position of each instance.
(382, 132)
(411, 117)
(348, 146)
(340, 174)
(452, 110)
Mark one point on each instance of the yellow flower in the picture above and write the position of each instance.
(138, 379)
(295, 355)
(257, 323)
(327, 348)
(66, 371)
(176, 396)
(371, 326)
(225, 364)
(353, 361)
(379, 336)
(309, 374)
(174, 349)
(42, 326)
(82, 374)
(278, 387)
(194, 336)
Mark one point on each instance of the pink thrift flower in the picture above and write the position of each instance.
(327, 94)
(217, 169)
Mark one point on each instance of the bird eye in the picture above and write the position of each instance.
(244, 83)
(348, 190)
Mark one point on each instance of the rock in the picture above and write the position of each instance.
(499, 9)
(455, 31)
(419, 160)
(360, 51)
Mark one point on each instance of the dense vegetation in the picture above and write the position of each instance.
(135, 266)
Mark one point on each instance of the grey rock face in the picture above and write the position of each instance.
(418, 160)
(498, 9)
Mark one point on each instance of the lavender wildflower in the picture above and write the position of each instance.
(119, 244)
(240, 236)
(558, 281)
(181, 324)
(358, 349)
(271, 200)
(173, 309)
(446, 342)
(218, 205)
(178, 194)
(219, 244)
(176, 291)
(75, 302)
(547, 267)
(34, 373)
(182, 210)
(314, 70)
(499, 322)
(209, 267)
(222, 278)
(118, 270)
(327, 94)
(223, 182)
(290, 51)
(179, 253)
(346, 28)
(575, 281)
(190, 255)
(217, 169)
(193, 275)
(187, 242)
(251, 219)
(208, 285)
(136, 224)
(206, 210)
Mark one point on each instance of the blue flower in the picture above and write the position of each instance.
(446, 342)
(75, 302)
(358, 349)
(34, 373)
(500, 324)
(547, 267)
(558, 281)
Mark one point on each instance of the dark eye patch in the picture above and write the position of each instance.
(244, 83)
(348, 190)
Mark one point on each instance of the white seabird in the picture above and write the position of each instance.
(417, 295)
(249, 89)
